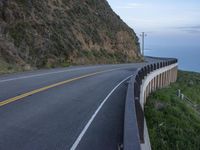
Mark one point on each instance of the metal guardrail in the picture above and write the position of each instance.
(134, 115)
(130, 121)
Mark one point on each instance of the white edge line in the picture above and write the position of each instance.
(74, 146)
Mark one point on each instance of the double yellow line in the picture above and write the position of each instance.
(10, 100)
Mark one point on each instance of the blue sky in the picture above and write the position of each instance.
(156, 15)
(172, 27)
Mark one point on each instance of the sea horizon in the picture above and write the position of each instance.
(181, 45)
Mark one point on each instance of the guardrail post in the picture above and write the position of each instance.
(167, 77)
(179, 93)
(170, 77)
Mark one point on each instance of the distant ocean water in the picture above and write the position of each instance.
(188, 59)
(185, 47)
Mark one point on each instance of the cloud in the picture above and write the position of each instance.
(190, 29)
(195, 27)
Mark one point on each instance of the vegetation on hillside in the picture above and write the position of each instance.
(35, 34)
(173, 123)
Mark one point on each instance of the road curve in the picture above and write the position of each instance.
(67, 108)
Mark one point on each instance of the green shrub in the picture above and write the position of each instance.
(177, 125)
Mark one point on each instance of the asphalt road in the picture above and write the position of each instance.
(62, 109)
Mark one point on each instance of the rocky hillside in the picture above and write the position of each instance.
(50, 33)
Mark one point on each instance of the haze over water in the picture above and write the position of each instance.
(172, 27)
(184, 46)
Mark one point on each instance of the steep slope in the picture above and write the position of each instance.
(49, 33)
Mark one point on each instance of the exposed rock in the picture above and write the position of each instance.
(49, 33)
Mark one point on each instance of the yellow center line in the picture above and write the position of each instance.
(10, 100)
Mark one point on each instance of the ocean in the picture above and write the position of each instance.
(189, 60)
(185, 47)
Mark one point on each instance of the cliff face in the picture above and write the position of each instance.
(48, 33)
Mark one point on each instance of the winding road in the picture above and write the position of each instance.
(64, 109)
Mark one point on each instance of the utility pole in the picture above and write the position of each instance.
(143, 36)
